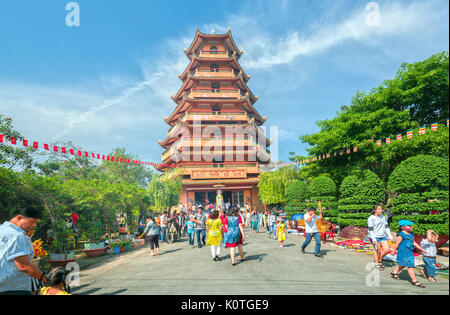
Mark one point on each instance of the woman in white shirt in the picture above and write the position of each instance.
(380, 234)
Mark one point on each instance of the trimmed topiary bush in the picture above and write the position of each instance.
(323, 189)
(420, 187)
(296, 194)
(359, 193)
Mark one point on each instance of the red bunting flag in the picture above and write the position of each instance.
(46, 147)
(13, 140)
(63, 150)
(72, 151)
(79, 153)
(434, 127)
(25, 143)
(108, 158)
(35, 145)
(409, 134)
(98, 156)
(1, 138)
(93, 155)
(55, 148)
(103, 157)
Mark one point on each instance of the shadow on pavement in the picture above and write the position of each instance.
(170, 251)
(259, 257)
(116, 292)
(89, 291)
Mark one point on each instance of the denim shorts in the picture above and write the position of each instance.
(382, 239)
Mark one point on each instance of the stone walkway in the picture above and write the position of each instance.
(269, 270)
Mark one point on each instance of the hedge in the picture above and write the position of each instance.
(420, 184)
(359, 193)
(421, 173)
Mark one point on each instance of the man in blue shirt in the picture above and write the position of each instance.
(16, 253)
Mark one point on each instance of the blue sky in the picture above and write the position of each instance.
(107, 83)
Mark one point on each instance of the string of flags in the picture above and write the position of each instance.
(399, 137)
(63, 150)
(68, 151)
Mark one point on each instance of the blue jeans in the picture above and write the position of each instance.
(191, 237)
(162, 233)
(309, 237)
(203, 241)
(430, 266)
(274, 229)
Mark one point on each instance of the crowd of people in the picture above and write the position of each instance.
(217, 228)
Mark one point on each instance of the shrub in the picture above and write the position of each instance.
(420, 185)
(359, 193)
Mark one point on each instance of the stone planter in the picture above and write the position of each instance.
(94, 245)
(122, 249)
(61, 263)
(92, 253)
(57, 257)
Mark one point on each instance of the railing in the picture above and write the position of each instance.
(214, 72)
(212, 116)
(213, 53)
(214, 93)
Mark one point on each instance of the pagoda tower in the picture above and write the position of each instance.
(213, 100)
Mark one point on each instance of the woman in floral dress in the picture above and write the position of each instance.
(214, 230)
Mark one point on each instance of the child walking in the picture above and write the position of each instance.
(190, 226)
(405, 255)
(281, 231)
(429, 244)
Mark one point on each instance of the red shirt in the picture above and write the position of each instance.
(224, 220)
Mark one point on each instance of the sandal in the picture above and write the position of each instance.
(380, 267)
(395, 276)
(432, 279)
(418, 284)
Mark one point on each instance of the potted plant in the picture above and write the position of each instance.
(94, 248)
(115, 246)
(39, 252)
(61, 250)
(122, 247)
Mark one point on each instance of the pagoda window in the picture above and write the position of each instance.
(214, 68)
(216, 109)
(213, 50)
(215, 87)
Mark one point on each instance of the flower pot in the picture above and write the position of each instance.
(94, 245)
(116, 250)
(60, 263)
(92, 253)
(122, 249)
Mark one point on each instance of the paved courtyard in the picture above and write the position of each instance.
(269, 270)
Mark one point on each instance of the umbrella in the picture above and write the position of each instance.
(297, 217)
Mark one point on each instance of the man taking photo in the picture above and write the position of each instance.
(16, 253)
(311, 230)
